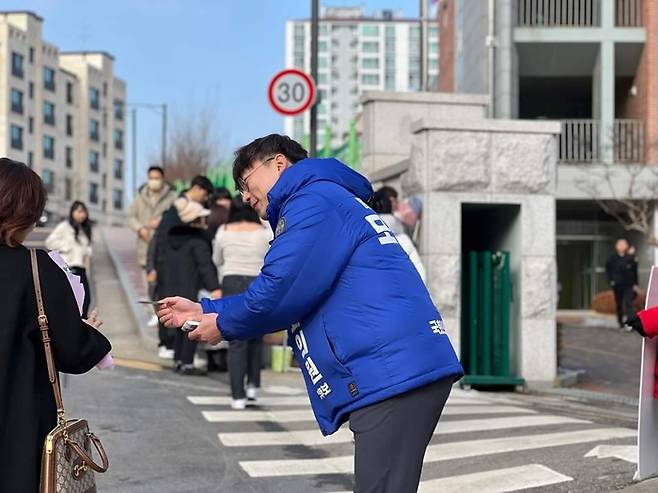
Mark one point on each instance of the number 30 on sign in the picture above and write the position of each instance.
(291, 92)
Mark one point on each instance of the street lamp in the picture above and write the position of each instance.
(163, 147)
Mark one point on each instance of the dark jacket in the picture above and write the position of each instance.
(621, 271)
(27, 404)
(184, 263)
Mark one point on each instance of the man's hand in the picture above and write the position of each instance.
(216, 294)
(144, 234)
(152, 276)
(175, 311)
(93, 319)
(207, 331)
(153, 223)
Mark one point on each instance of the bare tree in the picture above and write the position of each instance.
(193, 143)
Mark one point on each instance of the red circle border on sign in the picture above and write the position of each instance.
(308, 81)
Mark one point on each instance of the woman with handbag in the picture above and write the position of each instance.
(41, 333)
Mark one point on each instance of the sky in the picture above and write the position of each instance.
(188, 54)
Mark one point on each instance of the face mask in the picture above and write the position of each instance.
(155, 185)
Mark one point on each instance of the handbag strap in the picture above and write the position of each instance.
(45, 338)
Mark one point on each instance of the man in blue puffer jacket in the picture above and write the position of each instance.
(371, 343)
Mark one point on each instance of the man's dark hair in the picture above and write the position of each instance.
(202, 182)
(221, 193)
(381, 202)
(390, 192)
(156, 168)
(263, 148)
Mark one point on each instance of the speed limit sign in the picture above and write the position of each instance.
(291, 92)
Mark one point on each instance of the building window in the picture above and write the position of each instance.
(68, 189)
(369, 30)
(118, 199)
(118, 169)
(370, 63)
(69, 92)
(48, 78)
(322, 46)
(30, 159)
(93, 161)
(104, 88)
(31, 54)
(48, 147)
(118, 140)
(69, 125)
(17, 137)
(370, 79)
(48, 113)
(370, 47)
(30, 125)
(299, 61)
(434, 64)
(30, 90)
(48, 178)
(323, 62)
(322, 78)
(104, 119)
(94, 98)
(93, 193)
(434, 47)
(69, 157)
(94, 133)
(434, 32)
(118, 109)
(17, 64)
(17, 101)
(389, 82)
(104, 180)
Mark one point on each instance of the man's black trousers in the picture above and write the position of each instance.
(391, 437)
(624, 296)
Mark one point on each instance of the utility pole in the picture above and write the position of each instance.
(314, 74)
(164, 135)
(423, 45)
(134, 132)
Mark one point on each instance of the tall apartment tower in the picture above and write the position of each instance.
(63, 115)
(593, 66)
(356, 53)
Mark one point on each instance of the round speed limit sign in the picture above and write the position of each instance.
(291, 92)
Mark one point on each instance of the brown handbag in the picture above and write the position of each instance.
(67, 464)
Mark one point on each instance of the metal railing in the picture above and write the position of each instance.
(629, 141)
(580, 143)
(559, 13)
(628, 13)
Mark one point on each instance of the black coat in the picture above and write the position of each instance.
(27, 404)
(183, 260)
(621, 271)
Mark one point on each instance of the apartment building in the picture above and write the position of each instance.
(593, 66)
(63, 115)
(356, 52)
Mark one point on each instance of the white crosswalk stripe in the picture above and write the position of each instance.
(294, 416)
(502, 426)
(312, 438)
(496, 481)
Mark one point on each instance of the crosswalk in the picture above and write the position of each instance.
(475, 429)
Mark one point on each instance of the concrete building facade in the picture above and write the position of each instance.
(592, 65)
(357, 52)
(50, 120)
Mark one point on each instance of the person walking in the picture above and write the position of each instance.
(239, 249)
(621, 271)
(382, 204)
(27, 404)
(72, 239)
(372, 346)
(187, 255)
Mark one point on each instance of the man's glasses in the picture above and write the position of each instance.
(242, 182)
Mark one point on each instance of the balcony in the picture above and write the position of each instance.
(580, 143)
(576, 13)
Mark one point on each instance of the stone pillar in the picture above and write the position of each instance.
(604, 74)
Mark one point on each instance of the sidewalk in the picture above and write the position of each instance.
(648, 486)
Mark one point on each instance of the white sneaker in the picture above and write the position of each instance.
(239, 404)
(153, 322)
(165, 353)
(252, 393)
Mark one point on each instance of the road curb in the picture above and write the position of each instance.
(138, 314)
